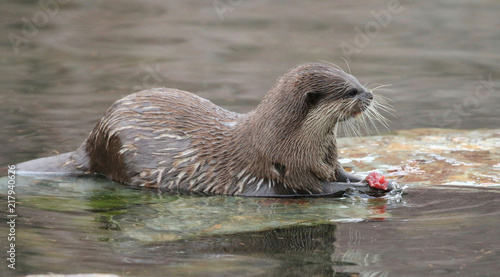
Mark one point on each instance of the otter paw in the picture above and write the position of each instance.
(377, 181)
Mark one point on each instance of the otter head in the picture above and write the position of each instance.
(332, 95)
(314, 96)
(298, 116)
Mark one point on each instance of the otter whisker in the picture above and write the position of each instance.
(374, 114)
(379, 116)
(381, 104)
(351, 129)
(378, 86)
(371, 115)
(385, 99)
(351, 125)
(332, 64)
(348, 67)
(369, 120)
(364, 119)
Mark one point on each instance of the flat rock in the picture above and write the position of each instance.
(428, 156)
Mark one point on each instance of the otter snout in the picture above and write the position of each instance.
(368, 95)
(365, 98)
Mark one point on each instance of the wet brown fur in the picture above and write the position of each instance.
(175, 140)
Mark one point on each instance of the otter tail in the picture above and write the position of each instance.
(71, 163)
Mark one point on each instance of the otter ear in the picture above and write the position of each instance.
(313, 97)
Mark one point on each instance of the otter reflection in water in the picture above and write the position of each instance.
(176, 141)
(289, 251)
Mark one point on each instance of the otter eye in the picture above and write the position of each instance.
(351, 93)
(313, 97)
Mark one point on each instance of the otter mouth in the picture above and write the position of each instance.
(352, 115)
(357, 114)
(360, 112)
(362, 108)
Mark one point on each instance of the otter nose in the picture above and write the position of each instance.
(368, 95)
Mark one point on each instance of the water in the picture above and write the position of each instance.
(441, 58)
(92, 225)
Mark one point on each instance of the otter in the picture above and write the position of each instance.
(178, 142)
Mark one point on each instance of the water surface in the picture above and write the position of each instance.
(90, 225)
